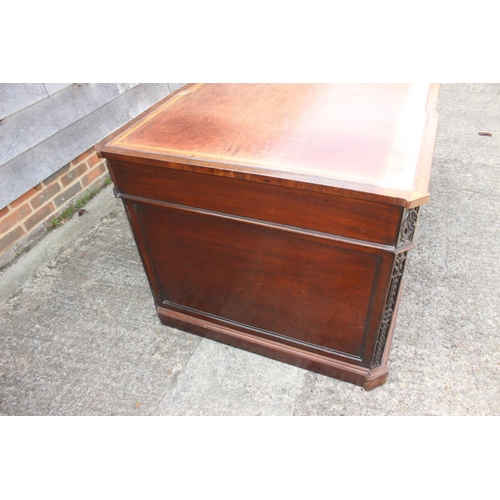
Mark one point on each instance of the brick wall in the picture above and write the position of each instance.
(29, 217)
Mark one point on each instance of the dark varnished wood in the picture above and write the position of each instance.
(270, 280)
(260, 238)
(339, 215)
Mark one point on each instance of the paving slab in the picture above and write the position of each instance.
(82, 337)
(79, 333)
(220, 380)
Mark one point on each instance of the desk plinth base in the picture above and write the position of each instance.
(366, 378)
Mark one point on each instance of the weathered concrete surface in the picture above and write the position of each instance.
(79, 333)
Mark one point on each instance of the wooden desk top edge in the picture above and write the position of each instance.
(409, 198)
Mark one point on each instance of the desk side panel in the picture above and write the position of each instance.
(305, 291)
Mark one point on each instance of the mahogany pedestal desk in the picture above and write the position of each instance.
(278, 218)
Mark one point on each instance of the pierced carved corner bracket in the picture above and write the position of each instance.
(408, 226)
(387, 315)
(406, 234)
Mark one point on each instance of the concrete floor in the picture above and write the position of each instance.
(79, 333)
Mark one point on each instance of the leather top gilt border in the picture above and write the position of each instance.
(120, 145)
(119, 140)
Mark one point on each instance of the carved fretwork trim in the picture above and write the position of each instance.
(408, 226)
(387, 315)
(406, 234)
